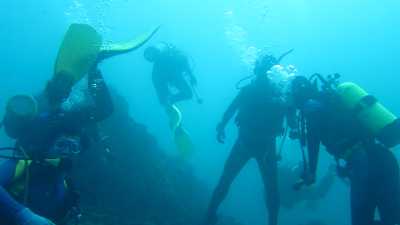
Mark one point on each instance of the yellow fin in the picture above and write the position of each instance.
(78, 51)
(175, 117)
(183, 143)
(182, 139)
(109, 50)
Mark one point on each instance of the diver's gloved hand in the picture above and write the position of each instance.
(27, 217)
(221, 133)
(95, 80)
(309, 179)
(306, 179)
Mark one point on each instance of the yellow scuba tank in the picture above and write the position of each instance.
(372, 115)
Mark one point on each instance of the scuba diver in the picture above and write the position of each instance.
(291, 198)
(35, 187)
(174, 82)
(359, 132)
(171, 71)
(45, 143)
(261, 111)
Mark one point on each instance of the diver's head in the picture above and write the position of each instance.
(152, 53)
(264, 64)
(301, 90)
(59, 88)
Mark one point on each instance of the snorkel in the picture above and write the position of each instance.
(263, 65)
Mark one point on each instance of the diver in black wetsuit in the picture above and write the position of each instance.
(170, 70)
(371, 167)
(261, 110)
(54, 131)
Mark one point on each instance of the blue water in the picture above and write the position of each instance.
(359, 39)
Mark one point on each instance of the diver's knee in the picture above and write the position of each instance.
(222, 188)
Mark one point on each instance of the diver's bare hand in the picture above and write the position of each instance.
(221, 133)
(221, 137)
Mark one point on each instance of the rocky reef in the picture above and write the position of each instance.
(127, 179)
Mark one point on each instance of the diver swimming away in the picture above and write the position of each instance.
(171, 69)
(174, 81)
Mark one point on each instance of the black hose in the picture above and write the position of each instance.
(238, 87)
(282, 144)
(284, 55)
(303, 143)
(320, 77)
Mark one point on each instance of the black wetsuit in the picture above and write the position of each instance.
(169, 72)
(260, 115)
(47, 192)
(372, 168)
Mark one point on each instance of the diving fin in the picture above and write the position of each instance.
(182, 139)
(78, 51)
(83, 47)
(183, 143)
(175, 117)
(109, 50)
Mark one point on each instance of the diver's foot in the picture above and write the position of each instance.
(211, 219)
(27, 217)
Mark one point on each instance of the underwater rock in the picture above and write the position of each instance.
(127, 179)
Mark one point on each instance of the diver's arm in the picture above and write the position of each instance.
(229, 113)
(104, 106)
(188, 72)
(101, 108)
(192, 78)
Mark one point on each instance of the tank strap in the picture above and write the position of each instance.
(20, 183)
(364, 103)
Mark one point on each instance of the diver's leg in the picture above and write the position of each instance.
(268, 167)
(362, 196)
(184, 90)
(389, 186)
(234, 164)
(162, 90)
